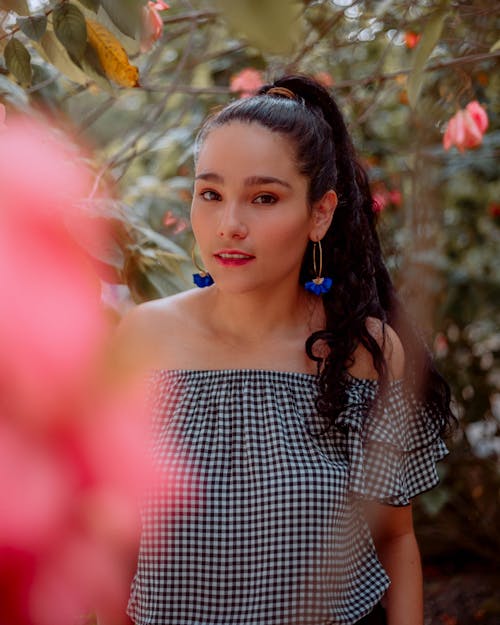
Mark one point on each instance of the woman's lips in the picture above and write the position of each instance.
(233, 259)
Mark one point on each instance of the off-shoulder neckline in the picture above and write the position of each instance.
(276, 372)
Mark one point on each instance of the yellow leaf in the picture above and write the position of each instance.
(112, 55)
(495, 46)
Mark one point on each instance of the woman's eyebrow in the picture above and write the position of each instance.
(248, 182)
(256, 180)
(210, 177)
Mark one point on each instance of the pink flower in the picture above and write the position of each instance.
(466, 128)
(152, 24)
(379, 202)
(171, 221)
(478, 114)
(396, 197)
(247, 82)
(325, 79)
(37, 489)
(72, 451)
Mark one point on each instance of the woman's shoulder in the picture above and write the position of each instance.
(151, 333)
(391, 346)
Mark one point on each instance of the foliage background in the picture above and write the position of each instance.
(440, 219)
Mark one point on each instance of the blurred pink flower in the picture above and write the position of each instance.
(478, 114)
(82, 575)
(152, 24)
(49, 188)
(171, 221)
(396, 197)
(36, 490)
(383, 197)
(466, 128)
(73, 455)
(379, 202)
(247, 82)
(51, 324)
(325, 79)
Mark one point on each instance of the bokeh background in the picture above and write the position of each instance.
(419, 83)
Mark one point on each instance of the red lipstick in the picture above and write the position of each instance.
(233, 258)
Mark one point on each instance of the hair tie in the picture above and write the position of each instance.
(282, 91)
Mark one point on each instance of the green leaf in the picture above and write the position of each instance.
(125, 15)
(12, 92)
(18, 61)
(93, 5)
(270, 26)
(70, 28)
(18, 6)
(131, 45)
(161, 241)
(429, 39)
(52, 50)
(34, 26)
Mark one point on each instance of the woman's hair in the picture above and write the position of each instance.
(310, 118)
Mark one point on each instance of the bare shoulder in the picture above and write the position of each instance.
(391, 347)
(149, 333)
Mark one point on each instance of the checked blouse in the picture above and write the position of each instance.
(255, 518)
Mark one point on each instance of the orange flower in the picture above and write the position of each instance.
(152, 24)
(411, 39)
(466, 128)
(247, 82)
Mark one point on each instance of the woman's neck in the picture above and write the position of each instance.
(250, 318)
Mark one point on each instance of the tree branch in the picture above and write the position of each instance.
(473, 58)
(190, 17)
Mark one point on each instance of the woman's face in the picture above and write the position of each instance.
(249, 212)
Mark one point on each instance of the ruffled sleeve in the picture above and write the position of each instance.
(392, 445)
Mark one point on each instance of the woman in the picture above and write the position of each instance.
(295, 411)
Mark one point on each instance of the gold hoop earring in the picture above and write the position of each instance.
(319, 284)
(202, 278)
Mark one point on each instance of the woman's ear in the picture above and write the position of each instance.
(322, 215)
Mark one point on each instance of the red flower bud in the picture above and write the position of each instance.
(411, 39)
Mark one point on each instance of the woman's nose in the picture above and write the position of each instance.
(231, 223)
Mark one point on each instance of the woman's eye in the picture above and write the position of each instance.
(210, 195)
(265, 198)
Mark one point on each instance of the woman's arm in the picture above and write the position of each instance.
(397, 549)
(391, 526)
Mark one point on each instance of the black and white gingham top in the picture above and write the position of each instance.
(256, 519)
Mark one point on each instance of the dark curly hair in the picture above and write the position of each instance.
(351, 248)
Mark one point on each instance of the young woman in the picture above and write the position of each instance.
(295, 410)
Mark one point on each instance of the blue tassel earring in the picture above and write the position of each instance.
(318, 285)
(203, 278)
